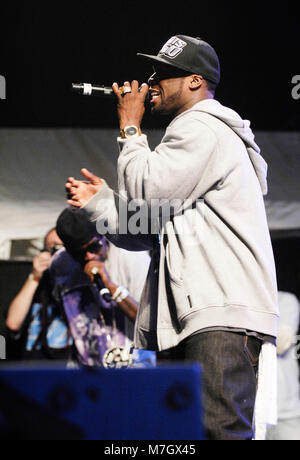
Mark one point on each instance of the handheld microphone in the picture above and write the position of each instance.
(103, 291)
(87, 89)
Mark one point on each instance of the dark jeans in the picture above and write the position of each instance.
(229, 361)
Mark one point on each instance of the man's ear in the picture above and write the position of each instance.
(196, 81)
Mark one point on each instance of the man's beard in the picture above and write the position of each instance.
(169, 107)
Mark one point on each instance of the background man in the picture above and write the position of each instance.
(99, 324)
(35, 313)
(216, 297)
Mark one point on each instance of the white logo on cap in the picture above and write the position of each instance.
(173, 47)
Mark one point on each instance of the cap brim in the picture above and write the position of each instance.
(161, 60)
(153, 59)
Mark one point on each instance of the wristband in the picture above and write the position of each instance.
(122, 296)
(32, 277)
(117, 292)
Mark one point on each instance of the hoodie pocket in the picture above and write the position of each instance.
(180, 297)
(173, 260)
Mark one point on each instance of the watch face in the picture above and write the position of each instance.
(131, 131)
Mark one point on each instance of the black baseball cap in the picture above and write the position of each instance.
(74, 229)
(190, 54)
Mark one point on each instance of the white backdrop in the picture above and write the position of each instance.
(35, 163)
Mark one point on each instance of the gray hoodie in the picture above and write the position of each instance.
(216, 264)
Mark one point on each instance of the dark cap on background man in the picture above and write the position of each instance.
(74, 229)
(189, 54)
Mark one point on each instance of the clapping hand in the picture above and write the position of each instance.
(80, 192)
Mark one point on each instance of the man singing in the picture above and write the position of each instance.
(211, 294)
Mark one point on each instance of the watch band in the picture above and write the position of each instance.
(130, 131)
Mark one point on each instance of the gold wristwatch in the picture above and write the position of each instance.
(130, 131)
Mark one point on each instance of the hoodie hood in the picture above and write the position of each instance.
(242, 129)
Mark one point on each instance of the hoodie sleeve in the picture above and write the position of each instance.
(174, 168)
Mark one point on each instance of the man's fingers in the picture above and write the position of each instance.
(76, 204)
(70, 190)
(91, 177)
(75, 197)
(135, 86)
(73, 182)
(144, 90)
(44, 266)
(116, 90)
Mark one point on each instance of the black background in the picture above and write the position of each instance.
(46, 47)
